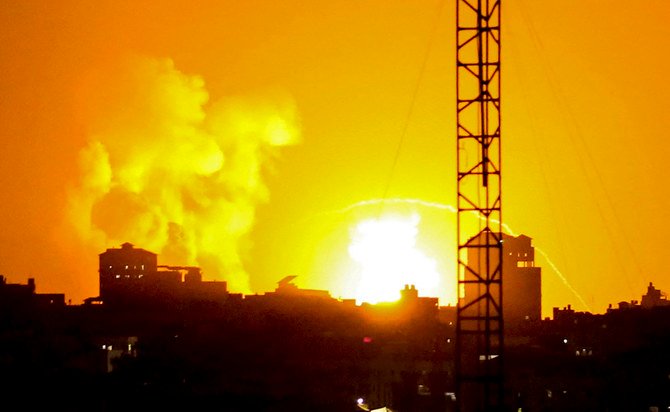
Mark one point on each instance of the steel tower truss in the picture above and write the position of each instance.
(479, 325)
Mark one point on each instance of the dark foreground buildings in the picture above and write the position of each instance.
(160, 337)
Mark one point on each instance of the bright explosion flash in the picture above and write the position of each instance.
(452, 209)
(386, 253)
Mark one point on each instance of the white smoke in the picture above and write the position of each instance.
(167, 171)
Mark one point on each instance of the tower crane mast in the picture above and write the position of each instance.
(479, 323)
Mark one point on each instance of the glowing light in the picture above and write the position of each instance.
(449, 208)
(388, 258)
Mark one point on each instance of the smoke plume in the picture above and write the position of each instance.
(171, 172)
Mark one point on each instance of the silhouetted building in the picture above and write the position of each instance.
(410, 352)
(522, 284)
(132, 276)
(654, 298)
(522, 280)
(122, 269)
(14, 292)
(18, 295)
(418, 308)
(193, 288)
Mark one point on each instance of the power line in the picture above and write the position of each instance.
(412, 104)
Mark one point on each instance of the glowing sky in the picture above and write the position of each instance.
(293, 111)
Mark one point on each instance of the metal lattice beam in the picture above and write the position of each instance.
(479, 325)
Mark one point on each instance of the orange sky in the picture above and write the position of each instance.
(584, 129)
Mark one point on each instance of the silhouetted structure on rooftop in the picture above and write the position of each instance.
(654, 298)
(286, 287)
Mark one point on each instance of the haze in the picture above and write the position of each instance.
(330, 90)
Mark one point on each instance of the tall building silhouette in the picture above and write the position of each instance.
(523, 281)
(122, 269)
(522, 286)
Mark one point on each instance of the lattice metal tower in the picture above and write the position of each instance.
(479, 325)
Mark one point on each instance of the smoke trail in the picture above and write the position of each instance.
(452, 209)
(171, 173)
(563, 279)
(424, 203)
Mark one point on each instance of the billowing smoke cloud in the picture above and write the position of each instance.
(172, 173)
